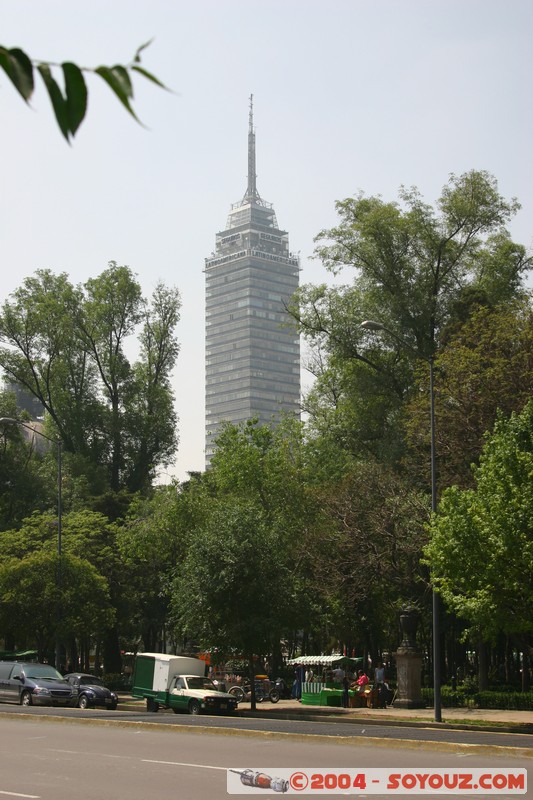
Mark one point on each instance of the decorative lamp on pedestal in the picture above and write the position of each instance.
(409, 663)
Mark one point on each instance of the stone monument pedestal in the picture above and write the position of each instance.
(409, 670)
(409, 664)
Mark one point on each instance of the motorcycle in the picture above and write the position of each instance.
(264, 690)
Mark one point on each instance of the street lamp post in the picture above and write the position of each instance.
(10, 421)
(370, 325)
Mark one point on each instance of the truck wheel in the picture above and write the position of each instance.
(151, 705)
(194, 707)
(274, 695)
(237, 693)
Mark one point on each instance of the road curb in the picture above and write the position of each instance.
(390, 721)
(385, 719)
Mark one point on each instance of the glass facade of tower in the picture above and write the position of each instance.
(252, 352)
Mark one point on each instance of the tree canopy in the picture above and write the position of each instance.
(412, 267)
(69, 347)
(481, 547)
(34, 607)
(483, 366)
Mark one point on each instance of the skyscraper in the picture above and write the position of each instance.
(252, 352)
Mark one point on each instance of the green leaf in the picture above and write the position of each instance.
(59, 104)
(19, 70)
(123, 77)
(76, 92)
(150, 77)
(137, 56)
(118, 80)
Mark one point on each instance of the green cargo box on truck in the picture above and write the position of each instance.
(179, 683)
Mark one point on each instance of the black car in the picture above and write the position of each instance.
(91, 691)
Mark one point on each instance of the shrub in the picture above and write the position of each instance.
(516, 701)
(113, 681)
(462, 698)
(450, 698)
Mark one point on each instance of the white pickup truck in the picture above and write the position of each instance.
(179, 683)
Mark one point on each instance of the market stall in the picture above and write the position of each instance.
(322, 690)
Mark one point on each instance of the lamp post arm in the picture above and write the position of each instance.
(20, 423)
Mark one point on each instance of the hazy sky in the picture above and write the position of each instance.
(349, 95)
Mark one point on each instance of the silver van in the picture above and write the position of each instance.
(30, 684)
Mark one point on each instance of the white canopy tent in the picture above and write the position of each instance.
(323, 661)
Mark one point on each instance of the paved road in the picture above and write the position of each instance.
(43, 760)
(352, 730)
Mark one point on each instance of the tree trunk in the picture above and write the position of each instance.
(112, 658)
(277, 659)
(525, 668)
(72, 655)
(483, 667)
(251, 671)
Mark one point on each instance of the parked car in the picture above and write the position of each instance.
(31, 683)
(91, 691)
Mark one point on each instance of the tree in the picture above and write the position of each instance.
(267, 466)
(151, 542)
(152, 420)
(88, 536)
(233, 588)
(70, 105)
(412, 266)
(34, 610)
(112, 311)
(245, 524)
(485, 365)
(67, 346)
(481, 546)
(364, 561)
(416, 270)
(270, 467)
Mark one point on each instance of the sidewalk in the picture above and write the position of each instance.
(420, 716)
(451, 717)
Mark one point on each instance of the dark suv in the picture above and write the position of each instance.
(34, 684)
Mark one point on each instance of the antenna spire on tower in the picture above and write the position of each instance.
(251, 191)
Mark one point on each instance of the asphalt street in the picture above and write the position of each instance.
(102, 755)
(353, 730)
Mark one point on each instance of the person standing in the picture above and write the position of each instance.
(345, 692)
(338, 674)
(299, 674)
(379, 673)
(379, 685)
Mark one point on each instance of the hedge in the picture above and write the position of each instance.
(460, 698)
